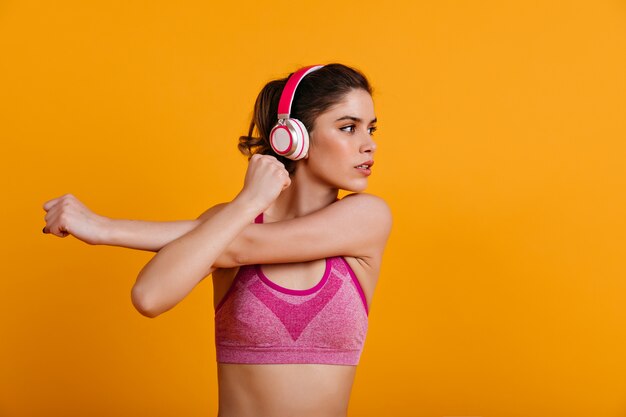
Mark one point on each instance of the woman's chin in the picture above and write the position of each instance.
(355, 188)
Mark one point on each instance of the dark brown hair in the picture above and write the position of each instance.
(316, 93)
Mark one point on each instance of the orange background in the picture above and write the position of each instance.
(501, 151)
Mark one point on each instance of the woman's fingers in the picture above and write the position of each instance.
(48, 204)
(58, 209)
(287, 182)
(51, 213)
(68, 215)
(56, 229)
(51, 203)
(52, 208)
(265, 179)
(55, 224)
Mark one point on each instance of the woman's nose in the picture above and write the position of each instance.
(369, 145)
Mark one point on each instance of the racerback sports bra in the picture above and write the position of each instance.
(260, 322)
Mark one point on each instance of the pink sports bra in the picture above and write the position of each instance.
(261, 322)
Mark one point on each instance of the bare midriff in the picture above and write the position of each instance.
(303, 390)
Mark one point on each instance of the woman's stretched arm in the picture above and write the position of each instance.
(67, 215)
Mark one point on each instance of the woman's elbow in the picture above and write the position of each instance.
(143, 303)
(229, 259)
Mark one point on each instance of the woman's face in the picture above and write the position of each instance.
(341, 143)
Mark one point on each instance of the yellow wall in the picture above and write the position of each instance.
(501, 150)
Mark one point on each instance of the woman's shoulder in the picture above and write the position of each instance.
(365, 198)
(370, 204)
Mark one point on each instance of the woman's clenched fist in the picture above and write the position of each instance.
(265, 179)
(66, 215)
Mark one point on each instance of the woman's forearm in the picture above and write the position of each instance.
(67, 215)
(179, 266)
(144, 235)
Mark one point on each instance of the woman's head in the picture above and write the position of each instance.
(317, 92)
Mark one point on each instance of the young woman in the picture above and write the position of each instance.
(294, 268)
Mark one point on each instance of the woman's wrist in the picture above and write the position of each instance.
(105, 227)
(141, 234)
(247, 205)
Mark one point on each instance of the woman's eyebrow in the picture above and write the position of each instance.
(355, 119)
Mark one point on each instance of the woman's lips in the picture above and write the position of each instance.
(365, 168)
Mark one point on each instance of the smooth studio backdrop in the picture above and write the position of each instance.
(501, 151)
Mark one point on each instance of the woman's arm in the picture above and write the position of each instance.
(149, 235)
(67, 215)
(353, 226)
(358, 225)
(179, 266)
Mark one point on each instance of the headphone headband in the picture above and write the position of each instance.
(286, 98)
(289, 137)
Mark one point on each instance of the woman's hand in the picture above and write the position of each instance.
(265, 179)
(67, 215)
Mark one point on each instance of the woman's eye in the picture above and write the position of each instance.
(372, 130)
(349, 128)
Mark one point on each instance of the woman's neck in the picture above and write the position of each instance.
(302, 197)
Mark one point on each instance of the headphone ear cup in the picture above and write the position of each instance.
(302, 146)
(281, 139)
(290, 139)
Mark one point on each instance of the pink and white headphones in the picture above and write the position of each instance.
(289, 138)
